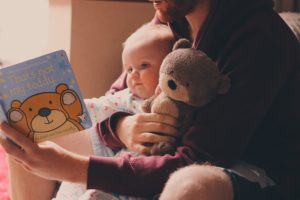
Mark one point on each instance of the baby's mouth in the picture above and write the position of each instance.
(137, 84)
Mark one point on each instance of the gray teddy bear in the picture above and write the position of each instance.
(188, 79)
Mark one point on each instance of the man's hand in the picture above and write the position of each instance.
(47, 159)
(137, 130)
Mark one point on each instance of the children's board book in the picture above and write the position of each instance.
(41, 98)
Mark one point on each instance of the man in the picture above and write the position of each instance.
(257, 121)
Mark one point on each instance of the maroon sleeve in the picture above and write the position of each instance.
(135, 176)
(106, 131)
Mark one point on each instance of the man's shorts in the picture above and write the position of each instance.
(246, 190)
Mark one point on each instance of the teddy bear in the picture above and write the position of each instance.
(188, 80)
(47, 114)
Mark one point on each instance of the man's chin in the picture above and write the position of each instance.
(165, 18)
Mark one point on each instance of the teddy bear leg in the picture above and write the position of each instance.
(162, 148)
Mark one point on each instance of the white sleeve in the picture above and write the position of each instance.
(103, 107)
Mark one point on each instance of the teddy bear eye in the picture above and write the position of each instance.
(50, 102)
(30, 109)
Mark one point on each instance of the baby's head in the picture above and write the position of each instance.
(142, 56)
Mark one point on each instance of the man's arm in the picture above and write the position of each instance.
(135, 176)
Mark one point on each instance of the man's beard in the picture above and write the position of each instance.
(177, 9)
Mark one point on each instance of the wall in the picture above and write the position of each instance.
(98, 30)
(59, 23)
(33, 27)
(23, 30)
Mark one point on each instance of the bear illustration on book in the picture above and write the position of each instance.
(47, 114)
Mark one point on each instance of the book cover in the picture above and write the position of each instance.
(41, 98)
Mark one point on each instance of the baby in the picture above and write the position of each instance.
(142, 55)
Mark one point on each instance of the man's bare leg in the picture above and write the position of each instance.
(26, 186)
(198, 182)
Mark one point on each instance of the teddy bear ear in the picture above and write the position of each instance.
(224, 85)
(182, 44)
(61, 87)
(15, 115)
(15, 104)
(69, 97)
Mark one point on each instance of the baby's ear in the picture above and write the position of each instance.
(182, 44)
(224, 85)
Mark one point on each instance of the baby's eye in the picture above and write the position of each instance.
(129, 70)
(145, 65)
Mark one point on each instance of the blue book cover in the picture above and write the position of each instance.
(41, 98)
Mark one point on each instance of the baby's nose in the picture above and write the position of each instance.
(135, 74)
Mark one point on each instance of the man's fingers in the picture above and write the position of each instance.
(12, 149)
(154, 117)
(163, 129)
(154, 138)
(14, 159)
(17, 137)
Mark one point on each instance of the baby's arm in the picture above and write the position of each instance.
(101, 108)
(105, 106)
(95, 107)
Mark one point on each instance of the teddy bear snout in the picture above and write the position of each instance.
(172, 85)
(44, 112)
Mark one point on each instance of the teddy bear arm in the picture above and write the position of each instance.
(162, 148)
(146, 106)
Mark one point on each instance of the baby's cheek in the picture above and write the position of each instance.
(128, 83)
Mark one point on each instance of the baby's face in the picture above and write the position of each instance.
(142, 61)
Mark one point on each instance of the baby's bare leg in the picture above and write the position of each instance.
(26, 186)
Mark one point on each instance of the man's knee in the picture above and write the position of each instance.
(198, 182)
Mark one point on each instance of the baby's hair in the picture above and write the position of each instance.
(156, 31)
